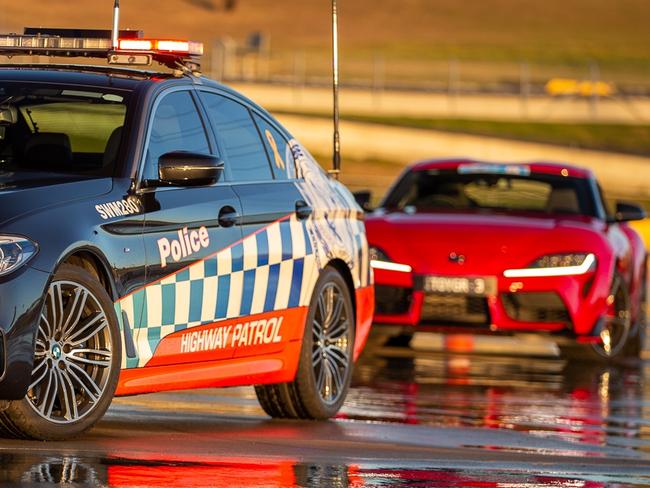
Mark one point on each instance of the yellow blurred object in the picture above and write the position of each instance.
(567, 86)
(643, 228)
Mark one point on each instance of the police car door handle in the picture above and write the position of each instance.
(228, 216)
(303, 210)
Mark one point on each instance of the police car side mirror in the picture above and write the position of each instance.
(182, 168)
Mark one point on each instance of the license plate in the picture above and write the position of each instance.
(453, 285)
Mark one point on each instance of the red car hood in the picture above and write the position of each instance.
(489, 243)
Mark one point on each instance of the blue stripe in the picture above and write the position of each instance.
(262, 248)
(238, 258)
(196, 300)
(153, 336)
(140, 308)
(247, 294)
(308, 248)
(287, 244)
(272, 287)
(168, 304)
(223, 292)
(296, 283)
(183, 275)
(210, 267)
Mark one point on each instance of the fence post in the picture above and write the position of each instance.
(378, 80)
(299, 70)
(524, 87)
(453, 85)
(595, 78)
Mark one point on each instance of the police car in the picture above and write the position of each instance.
(161, 231)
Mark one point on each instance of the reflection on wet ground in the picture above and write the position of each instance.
(413, 418)
(545, 396)
(120, 472)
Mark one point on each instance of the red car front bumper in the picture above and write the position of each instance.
(566, 304)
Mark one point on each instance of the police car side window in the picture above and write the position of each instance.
(239, 138)
(278, 149)
(176, 126)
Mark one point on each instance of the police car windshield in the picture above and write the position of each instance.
(444, 190)
(69, 130)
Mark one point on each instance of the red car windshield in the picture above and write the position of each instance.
(444, 190)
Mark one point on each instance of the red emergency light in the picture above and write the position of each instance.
(170, 46)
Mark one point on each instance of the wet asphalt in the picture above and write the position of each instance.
(498, 416)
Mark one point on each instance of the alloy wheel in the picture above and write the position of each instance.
(332, 343)
(617, 323)
(73, 354)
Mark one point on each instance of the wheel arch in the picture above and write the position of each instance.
(343, 269)
(95, 263)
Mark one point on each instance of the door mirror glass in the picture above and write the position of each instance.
(183, 168)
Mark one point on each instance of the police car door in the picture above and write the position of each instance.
(188, 232)
(275, 242)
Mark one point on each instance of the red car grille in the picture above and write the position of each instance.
(392, 300)
(535, 307)
(455, 309)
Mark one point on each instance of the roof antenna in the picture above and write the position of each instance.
(116, 23)
(336, 171)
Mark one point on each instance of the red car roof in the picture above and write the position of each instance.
(535, 167)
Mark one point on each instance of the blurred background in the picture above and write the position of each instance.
(502, 80)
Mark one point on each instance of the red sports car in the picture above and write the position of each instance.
(510, 248)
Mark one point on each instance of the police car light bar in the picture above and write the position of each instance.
(132, 49)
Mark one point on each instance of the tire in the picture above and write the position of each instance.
(617, 324)
(326, 357)
(636, 341)
(76, 364)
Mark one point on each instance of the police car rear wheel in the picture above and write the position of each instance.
(76, 361)
(326, 361)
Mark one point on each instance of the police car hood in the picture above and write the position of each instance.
(25, 192)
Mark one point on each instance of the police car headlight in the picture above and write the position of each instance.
(380, 260)
(569, 264)
(14, 252)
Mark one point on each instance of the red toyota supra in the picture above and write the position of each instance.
(465, 245)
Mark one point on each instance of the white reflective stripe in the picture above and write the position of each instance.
(284, 285)
(235, 295)
(250, 252)
(310, 275)
(209, 298)
(224, 262)
(182, 308)
(402, 268)
(154, 306)
(275, 244)
(197, 271)
(259, 293)
(557, 271)
(297, 239)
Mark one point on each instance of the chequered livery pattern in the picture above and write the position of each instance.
(270, 270)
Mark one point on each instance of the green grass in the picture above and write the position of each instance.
(623, 138)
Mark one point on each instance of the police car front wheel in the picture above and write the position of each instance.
(326, 358)
(76, 361)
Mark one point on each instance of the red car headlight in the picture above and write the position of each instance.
(380, 260)
(570, 264)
